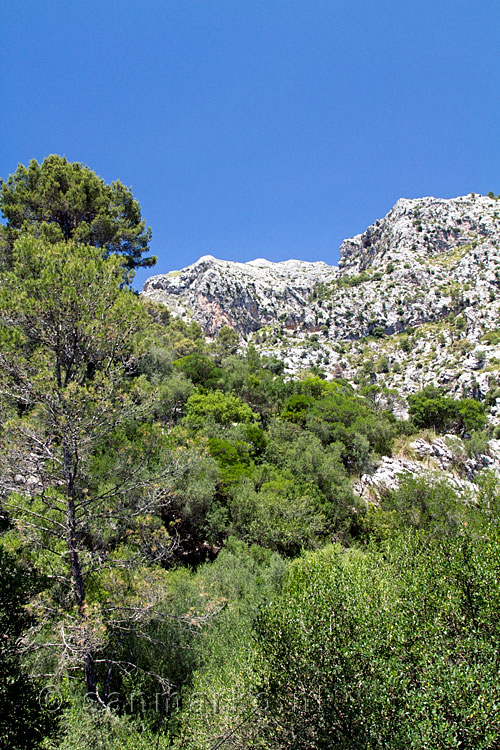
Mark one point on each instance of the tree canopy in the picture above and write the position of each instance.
(185, 560)
(68, 334)
(61, 200)
(430, 408)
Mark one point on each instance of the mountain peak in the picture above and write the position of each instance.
(430, 266)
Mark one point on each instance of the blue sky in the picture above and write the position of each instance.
(257, 128)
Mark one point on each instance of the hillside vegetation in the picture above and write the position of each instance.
(200, 549)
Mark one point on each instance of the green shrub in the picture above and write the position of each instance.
(348, 281)
(222, 408)
(491, 337)
(430, 408)
(395, 650)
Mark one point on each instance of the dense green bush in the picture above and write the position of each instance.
(221, 694)
(430, 408)
(398, 650)
(222, 408)
(200, 370)
(19, 695)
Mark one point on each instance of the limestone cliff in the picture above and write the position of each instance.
(415, 299)
(245, 296)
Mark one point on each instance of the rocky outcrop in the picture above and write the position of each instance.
(415, 300)
(441, 459)
(244, 296)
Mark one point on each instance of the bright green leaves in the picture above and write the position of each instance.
(396, 650)
(233, 458)
(221, 408)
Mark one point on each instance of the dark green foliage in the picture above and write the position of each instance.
(233, 459)
(334, 413)
(405, 342)
(296, 408)
(281, 488)
(430, 408)
(61, 201)
(378, 332)
(19, 695)
(349, 420)
(256, 439)
(273, 364)
(200, 370)
(188, 513)
(288, 487)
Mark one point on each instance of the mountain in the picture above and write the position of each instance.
(414, 300)
(244, 296)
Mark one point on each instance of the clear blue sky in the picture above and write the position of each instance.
(257, 128)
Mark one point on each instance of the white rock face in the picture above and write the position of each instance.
(245, 296)
(437, 460)
(430, 268)
(414, 301)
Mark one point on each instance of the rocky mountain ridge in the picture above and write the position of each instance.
(414, 300)
(244, 296)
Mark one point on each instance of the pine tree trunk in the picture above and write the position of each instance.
(76, 569)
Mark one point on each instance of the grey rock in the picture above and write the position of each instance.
(430, 269)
